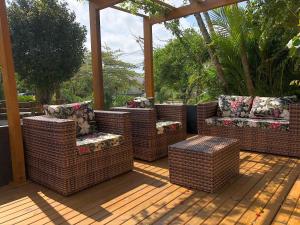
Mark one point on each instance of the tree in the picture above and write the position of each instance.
(232, 24)
(118, 76)
(273, 24)
(48, 44)
(182, 69)
(211, 50)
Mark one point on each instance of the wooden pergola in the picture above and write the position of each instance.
(95, 6)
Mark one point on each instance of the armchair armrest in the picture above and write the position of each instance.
(143, 120)
(204, 111)
(113, 122)
(42, 134)
(172, 113)
(45, 124)
(295, 118)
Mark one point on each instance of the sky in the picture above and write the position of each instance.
(119, 29)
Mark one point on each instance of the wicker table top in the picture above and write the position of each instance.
(205, 144)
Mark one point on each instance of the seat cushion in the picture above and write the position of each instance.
(97, 142)
(272, 107)
(82, 113)
(163, 126)
(234, 106)
(140, 102)
(282, 125)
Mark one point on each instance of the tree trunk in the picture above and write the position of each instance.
(209, 23)
(246, 68)
(212, 55)
(44, 96)
(57, 95)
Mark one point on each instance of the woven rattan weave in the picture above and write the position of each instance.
(204, 162)
(255, 138)
(147, 144)
(52, 159)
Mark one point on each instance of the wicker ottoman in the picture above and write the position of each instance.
(204, 163)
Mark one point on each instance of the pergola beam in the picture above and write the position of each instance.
(173, 13)
(102, 4)
(166, 5)
(12, 106)
(202, 6)
(96, 57)
(127, 11)
(148, 58)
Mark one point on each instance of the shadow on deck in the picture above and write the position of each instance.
(266, 192)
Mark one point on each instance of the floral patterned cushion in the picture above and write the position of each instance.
(81, 113)
(97, 142)
(272, 107)
(234, 106)
(282, 125)
(164, 126)
(141, 102)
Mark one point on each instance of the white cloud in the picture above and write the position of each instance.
(119, 28)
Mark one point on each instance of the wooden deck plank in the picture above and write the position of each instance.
(145, 196)
(46, 199)
(246, 191)
(76, 206)
(288, 207)
(92, 209)
(295, 217)
(192, 211)
(235, 212)
(256, 209)
(278, 198)
(139, 213)
(249, 179)
(160, 212)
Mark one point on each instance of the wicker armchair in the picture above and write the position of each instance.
(53, 161)
(255, 138)
(148, 143)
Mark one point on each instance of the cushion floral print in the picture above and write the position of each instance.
(97, 142)
(272, 107)
(164, 126)
(81, 113)
(234, 106)
(281, 125)
(141, 102)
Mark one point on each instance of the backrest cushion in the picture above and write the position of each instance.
(234, 106)
(272, 107)
(82, 113)
(141, 102)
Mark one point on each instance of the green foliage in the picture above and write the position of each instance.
(180, 69)
(294, 46)
(48, 44)
(147, 6)
(121, 100)
(273, 24)
(270, 65)
(29, 98)
(119, 76)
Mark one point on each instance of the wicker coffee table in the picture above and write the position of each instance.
(204, 162)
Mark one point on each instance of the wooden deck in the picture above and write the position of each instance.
(266, 192)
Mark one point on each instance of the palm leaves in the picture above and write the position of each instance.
(232, 33)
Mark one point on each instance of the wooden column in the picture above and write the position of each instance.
(98, 87)
(12, 106)
(148, 54)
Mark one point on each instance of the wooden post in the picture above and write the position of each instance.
(148, 55)
(98, 86)
(12, 106)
